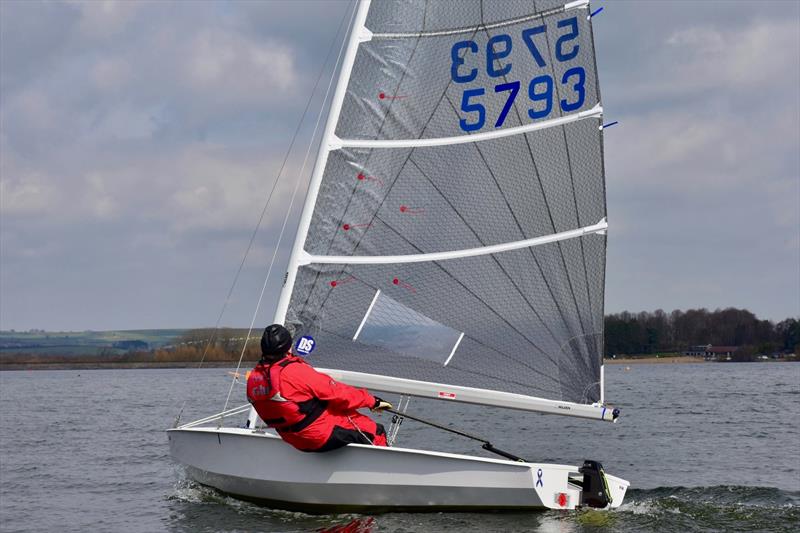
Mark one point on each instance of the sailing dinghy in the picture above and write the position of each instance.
(451, 246)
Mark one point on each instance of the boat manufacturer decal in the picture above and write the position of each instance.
(447, 395)
(305, 345)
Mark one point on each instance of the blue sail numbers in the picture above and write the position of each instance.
(542, 93)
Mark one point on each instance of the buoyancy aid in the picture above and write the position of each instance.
(283, 414)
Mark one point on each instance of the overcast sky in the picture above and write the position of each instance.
(138, 143)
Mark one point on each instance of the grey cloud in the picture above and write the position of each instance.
(703, 173)
(136, 157)
(138, 145)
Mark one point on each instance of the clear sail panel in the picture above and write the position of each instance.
(397, 328)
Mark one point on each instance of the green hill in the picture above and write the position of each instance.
(86, 342)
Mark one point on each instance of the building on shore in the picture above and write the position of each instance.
(699, 350)
(720, 353)
(712, 353)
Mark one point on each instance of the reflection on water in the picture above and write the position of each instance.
(357, 525)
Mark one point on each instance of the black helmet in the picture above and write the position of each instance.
(276, 340)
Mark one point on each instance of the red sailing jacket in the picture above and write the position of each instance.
(303, 405)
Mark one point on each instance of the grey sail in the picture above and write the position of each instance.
(497, 105)
(451, 246)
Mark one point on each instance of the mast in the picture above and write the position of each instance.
(358, 34)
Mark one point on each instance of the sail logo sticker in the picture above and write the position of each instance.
(447, 395)
(305, 345)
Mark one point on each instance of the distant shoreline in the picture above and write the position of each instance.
(122, 366)
(133, 365)
(655, 360)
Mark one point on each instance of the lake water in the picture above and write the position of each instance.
(706, 447)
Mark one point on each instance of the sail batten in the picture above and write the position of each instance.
(307, 259)
(336, 143)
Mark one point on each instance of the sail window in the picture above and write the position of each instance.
(395, 327)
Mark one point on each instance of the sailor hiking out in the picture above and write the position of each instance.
(310, 410)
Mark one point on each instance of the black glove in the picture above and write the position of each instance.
(380, 405)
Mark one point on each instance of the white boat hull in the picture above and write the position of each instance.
(261, 467)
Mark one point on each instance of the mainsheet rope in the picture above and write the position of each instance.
(296, 187)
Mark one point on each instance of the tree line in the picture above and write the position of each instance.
(224, 345)
(661, 332)
(626, 333)
(207, 344)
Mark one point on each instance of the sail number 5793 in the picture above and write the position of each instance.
(540, 88)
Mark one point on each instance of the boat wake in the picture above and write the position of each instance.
(188, 495)
(722, 507)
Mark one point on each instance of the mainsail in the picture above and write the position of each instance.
(453, 238)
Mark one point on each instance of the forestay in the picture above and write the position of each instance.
(468, 142)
